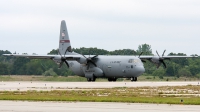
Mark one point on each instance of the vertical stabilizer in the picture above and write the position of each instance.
(64, 42)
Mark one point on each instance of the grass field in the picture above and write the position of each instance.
(168, 95)
(82, 79)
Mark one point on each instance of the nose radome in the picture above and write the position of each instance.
(139, 70)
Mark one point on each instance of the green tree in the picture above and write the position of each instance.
(4, 58)
(34, 67)
(123, 52)
(181, 61)
(194, 66)
(19, 66)
(194, 69)
(90, 51)
(159, 72)
(50, 72)
(145, 48)
(4, 69)
(53, 51)
(172, 69)
(184, 72)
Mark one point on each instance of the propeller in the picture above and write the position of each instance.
(161, 59)
(140, 55)
(90, 61)
(63, 59)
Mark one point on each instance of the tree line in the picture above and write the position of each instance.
(23, 66)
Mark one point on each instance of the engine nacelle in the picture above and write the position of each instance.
(97, 71)
(155, 60)
(57, 60)
(82, 60)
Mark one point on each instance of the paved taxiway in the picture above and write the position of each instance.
(24, 86)
(20, 106)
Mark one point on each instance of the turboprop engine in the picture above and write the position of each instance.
(96, 71)
(90, 70)
(87, 61)
(158, 60)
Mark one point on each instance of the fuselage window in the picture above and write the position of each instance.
(131, 61)
(134, 61)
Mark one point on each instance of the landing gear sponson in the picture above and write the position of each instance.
(112, 79)
(133, 79)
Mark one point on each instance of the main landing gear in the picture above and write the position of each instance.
(91, 79)
(133, 79)
(112, 79)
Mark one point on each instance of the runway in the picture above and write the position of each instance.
(24, 86)
(20, 106)
(25, 106)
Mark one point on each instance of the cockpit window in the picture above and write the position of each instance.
(134, 61)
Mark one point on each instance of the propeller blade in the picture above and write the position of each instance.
(164, 64)
(143, 61)
(65, 52)
(140, 54)
(94, 57)
(158, 65)
(163, 53)
(59, 52)
(157, 53)
(88, 65)
(63, 59)
(60, 64)
(66, 64)
(84, 56)
(90, 61)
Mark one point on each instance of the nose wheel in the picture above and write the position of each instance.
(91, 79)
(133, 79)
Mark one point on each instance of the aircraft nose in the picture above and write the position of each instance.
(139, 70)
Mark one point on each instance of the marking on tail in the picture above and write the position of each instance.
(64, 41)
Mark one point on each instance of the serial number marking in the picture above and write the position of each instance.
(115, 62)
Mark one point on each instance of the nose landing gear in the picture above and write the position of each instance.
(91, 79)
(133, 79)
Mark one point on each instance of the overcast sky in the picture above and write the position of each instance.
(32, 26)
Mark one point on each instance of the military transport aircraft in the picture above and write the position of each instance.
(99, 66)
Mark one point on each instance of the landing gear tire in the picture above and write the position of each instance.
(91, 79)
(112, 79)
(133, 79)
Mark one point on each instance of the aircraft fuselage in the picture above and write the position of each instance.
(111, 66)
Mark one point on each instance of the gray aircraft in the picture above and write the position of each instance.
(98, 66)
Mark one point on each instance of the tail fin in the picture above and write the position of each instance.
(64, 42)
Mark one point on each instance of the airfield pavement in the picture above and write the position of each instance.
(28, 85)
(26, 106)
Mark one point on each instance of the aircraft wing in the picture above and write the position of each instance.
(160, 60)
(167, 57)
(68, 57)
